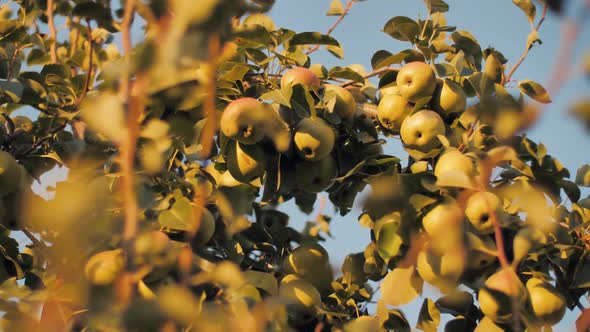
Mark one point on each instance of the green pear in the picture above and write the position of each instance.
(482, 251)
(448, 97)
(503, 293)
(244, 120)
(245, 162)
(306, 259)
(345, 105)
(392, 111)
(479, 209)
(390, 89)
(441, 271)
(419, 131)
(299, 292)
(546, 303)
(416, 80)
(314, 139)
(316, 176)
(301, 75)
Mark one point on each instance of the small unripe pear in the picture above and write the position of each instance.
(448, 97)
(524, 241)
(444, 226)
(503, 293)
(479, 210)
(244, 120)
(420, 131)
(301, 75)
(392, 111)
(300, 292)
(345, 102)
(442, 271)
(547, 304)
(245, 162)
(452, 160)
(416, 80)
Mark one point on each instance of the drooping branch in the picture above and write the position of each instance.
(331, 29)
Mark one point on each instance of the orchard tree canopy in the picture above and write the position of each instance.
(182, 145)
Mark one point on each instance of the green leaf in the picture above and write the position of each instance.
(386, 234)
(346, 73)
(528, 7)
(435, 6)
(408, 55)
(281, 96)
(429, 316)
(456, 304)
(262, 280)
(378, 57)
(392, 319)
(313, 38)
(402, 28)
(534, 90)
(179, 217)
(571, 190)
(583, 176)
(336, 51)
(336, 8)
(401, 286)
(13, 89)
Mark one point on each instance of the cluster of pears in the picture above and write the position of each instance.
(250, 123)
(416, 82)
(308, 277)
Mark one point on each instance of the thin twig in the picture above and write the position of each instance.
(370, 74)
(11, 64)
(528, 47)
(52, 32)
(127, 150)
(331, 29)
(469, 134)
(90, 63)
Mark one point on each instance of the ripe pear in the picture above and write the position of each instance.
(245, 162)
(316, 176)
(546, 303)
(479, 210)
(441, 271)
(501, 292)
(416, 80)
(392, 111)
(444, 226)
(299, 292)
(314, 139)
(390, 89)
(244, 120)
(104, 267)
(448, 97)
(9, 174)
(452, 160)
(345, 102)
(301, 75)
(419, 131)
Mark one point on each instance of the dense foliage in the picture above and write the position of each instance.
(180, 146)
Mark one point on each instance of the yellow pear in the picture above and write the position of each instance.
(392, 111)
(479, 210)
(314, 139)
(419, 131)
(448, 97)
(306, 259)
(452, 160)
(345, 102)
(547, 304)
(245, 162)
(444, 226)
(416, 80)
(390, 89)
(482, 251)
(244, 120)
(442, 271)
(104, 267)
(503, 293)
(301, 75)
(315, 176)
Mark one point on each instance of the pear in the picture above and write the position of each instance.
(441, 271)
(546, 303)
(479, 210)
(306, 259)
(245, 162)
(524, 241)
(416, 80)
(448, 97)
(503, 293)
(244, 120)
(452, 160)
(390, 89)
(314, 139)
(419, 131)
(301, 75)
(317, 176)
(345, 102)
(444, 226)
(482, 251)
(392, 111)
(104, 267)
(9, 174)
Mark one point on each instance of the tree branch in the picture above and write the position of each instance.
(52, 32)
(370, 74)
(331, 29)
(90, 63)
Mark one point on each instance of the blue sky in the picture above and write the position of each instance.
(496, 23)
